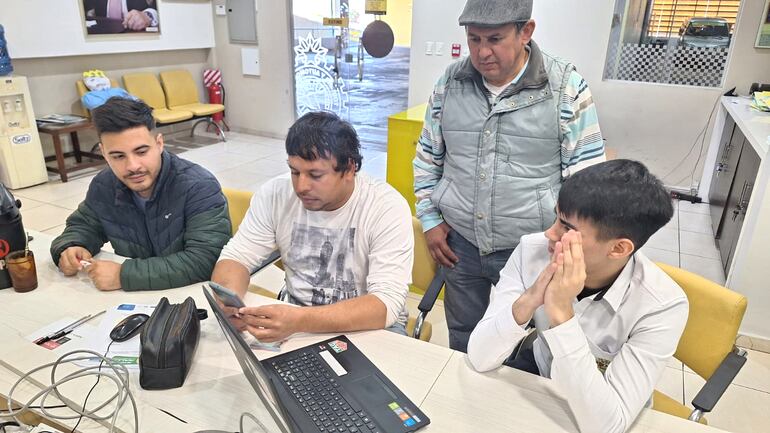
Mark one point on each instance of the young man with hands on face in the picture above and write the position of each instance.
(606, 318)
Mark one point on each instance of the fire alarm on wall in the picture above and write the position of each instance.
(455, 50)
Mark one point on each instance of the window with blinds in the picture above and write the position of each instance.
(667, 16)
(646, 44)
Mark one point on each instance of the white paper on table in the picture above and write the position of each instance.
(126, 352)
(77, 335)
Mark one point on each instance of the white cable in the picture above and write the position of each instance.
(253, 418)
(118, 373)
(701, 136)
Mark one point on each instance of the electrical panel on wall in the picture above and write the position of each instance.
(242, 21)
(250, 61)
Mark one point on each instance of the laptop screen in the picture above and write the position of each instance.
(251, 366)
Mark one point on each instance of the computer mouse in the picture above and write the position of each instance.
(128, 327)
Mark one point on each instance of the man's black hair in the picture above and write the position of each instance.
(119, 114)
(322, 134)
(620, 197)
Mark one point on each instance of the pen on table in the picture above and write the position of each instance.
(67, 329)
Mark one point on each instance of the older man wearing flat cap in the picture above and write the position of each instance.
(503, 129)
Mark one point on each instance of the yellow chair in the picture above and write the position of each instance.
(427, 277)
(707, 345)
(182, 94)
(82, 90)
(237, 205)
(145, 86)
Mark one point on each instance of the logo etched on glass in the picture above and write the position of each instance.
(318, 86)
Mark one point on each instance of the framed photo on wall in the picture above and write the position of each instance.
(120, 16)
(763, 35)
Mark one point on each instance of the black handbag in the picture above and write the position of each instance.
(168, 342)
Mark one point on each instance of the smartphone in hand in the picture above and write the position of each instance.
(227, 296)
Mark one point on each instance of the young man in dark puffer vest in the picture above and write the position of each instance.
(167, 215)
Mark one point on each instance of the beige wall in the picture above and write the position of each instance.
(52, 79)
(263, 104)
(399, 17)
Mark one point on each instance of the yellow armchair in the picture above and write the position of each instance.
(707, 345)
(145, 86)
(182, 94)
(237, 205)
(426, 277)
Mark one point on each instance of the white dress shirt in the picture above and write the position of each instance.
(630, 332)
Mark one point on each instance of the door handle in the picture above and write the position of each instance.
(742, 203)
(337, 56)
(360, 62)
(719, 168)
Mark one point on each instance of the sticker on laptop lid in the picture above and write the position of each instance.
(338, 346)
(404, 414)
(333, 363)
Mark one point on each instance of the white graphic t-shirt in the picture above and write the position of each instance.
(364, 247)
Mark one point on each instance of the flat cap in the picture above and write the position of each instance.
(492, 13)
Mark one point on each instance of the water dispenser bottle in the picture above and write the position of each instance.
(5, 60)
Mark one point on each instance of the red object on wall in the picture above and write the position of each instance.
(455, 50)
(215, 97)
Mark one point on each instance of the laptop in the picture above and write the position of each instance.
(329, 386)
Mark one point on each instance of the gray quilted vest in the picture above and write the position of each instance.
(502, 170)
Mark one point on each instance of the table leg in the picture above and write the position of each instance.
(76, 146)
(59, 157)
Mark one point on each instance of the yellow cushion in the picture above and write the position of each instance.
(237, 204)
(427, 329)
(164, 115)
(200, 109)
(423, 268)
(253, 288)
(663, 403)
(180, 88)
(712, 325)
(145, 86)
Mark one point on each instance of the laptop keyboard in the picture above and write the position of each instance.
(317, 392)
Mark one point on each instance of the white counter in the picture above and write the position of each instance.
(754, 124)
(749, 271)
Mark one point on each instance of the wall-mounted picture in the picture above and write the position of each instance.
(763, 36)
(120, 16)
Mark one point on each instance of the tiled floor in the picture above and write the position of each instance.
(246, 162)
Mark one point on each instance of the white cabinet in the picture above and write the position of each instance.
(744, 240)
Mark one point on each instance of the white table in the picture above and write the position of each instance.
(439, 380)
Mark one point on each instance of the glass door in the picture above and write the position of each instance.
(319, 52)
(333, 72)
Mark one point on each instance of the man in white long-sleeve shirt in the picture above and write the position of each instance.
(346, 240)
(606, 318)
